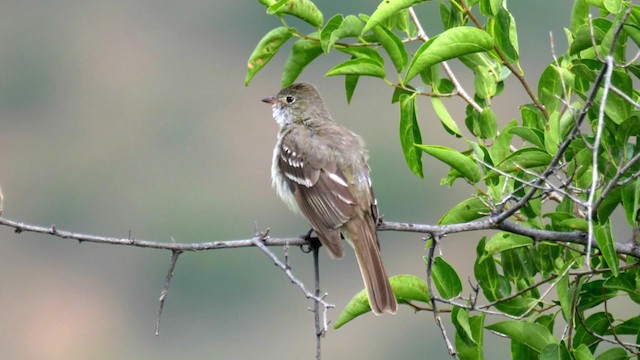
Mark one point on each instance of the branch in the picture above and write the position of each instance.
(212, 245)
(165, 290)
(490, 223)
(259, 241)
(320, 331)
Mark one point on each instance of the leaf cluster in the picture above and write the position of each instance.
(565, 164)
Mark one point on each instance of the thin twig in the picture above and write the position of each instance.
(608, 70)
(165, 289)
(316, 305)
(434, 305)
(613, 183)
(626, 97)
(259, 241)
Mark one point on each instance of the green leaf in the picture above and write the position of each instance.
(607, 247)
(468, 210)
(397, 92)
(303, 52)
(503, 29)
(361, 52)
(582, 352)
(351, 26)
(544, 256)
(613, 6)
(615, 353)
(533, 136)
(579, 14)
(410, 134)
(617, 107)
(385, 10)
(405, 287)
(625, 282)
(634, 33)
(450, 44)
(471, 350)
(444, 116)
(517, 266)
(628, 327)
(564, 294)
(488, 124)
(575, 224)
(490, 7)
(593, 294)
(409, 288)
(493, 285)
(501, 146)
(326, 34)
(552, 133)
(485, 82)
(619, 48)
(350, 82)
(608, 205)
(358, 305)
(504, 241)
(550, 89)
(586, 35)
(460, 320)
(532, 117)
(522, 352)
(358, 66)
(446, 279)
(555, 352)
(267, 47)
(526, 158)
(597, 323)
(393, 46)
(302, 9)
(533, 335)
(461, 163)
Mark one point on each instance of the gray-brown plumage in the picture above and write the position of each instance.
(320, 170)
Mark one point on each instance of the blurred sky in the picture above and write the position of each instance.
(120, 116)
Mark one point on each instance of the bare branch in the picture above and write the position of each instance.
(320, 331)
(259, 241)
(436, 230)
(165, 290)
(52, 230)
(608, 69)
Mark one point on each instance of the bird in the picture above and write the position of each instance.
(320, 170)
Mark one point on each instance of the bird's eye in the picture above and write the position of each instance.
(289, 99)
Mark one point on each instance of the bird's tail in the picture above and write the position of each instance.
(361, 233)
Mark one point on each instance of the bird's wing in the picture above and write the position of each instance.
(321, 190)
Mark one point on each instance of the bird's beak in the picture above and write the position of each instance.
(271, 100)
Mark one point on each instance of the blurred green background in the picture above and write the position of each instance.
(120, 116)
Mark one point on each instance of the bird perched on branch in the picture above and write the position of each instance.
(320, 170)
